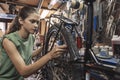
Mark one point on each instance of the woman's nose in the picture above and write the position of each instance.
(36, 28)
(36, 25)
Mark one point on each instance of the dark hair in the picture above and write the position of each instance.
(23, 14)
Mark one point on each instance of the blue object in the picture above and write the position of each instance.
(95, 23)
(60, 42)
(110, 61)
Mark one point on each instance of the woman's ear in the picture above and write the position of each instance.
(20, 21)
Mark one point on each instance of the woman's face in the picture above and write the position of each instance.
(30, 24)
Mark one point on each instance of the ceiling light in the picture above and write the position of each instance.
(44, 14)
(52, 3)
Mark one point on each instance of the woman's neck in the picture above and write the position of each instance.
(23, 34)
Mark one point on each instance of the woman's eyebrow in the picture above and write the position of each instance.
(33, 20)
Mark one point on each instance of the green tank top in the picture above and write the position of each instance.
(24, 46)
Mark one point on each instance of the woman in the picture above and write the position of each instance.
(17, 46)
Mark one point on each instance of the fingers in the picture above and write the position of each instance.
(61, 48)
(58, 50)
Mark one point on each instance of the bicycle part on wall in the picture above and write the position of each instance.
(110, 9)
(106, 20)
(109, 27)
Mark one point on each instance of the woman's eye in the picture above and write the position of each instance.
(34, 21)
(37, 22)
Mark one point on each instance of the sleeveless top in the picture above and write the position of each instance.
(25, 48)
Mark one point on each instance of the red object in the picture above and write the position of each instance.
(79, 42)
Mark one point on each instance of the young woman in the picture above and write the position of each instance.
(17, 45)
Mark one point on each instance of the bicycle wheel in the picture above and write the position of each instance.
(61, 68)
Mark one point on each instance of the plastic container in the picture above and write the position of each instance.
(110, 51)
(96, 49)
(116, 44)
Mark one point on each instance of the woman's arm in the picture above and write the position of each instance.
(27, 70)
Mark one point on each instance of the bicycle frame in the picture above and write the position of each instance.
(69, 25)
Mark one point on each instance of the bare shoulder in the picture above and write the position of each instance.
(7, 41)
(7, 44)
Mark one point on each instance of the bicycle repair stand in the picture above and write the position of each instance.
(88, 43)
(89, 55)
(89, 32)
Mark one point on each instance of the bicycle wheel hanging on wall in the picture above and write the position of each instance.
(61, 68)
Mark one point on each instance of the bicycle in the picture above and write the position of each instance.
(65, 67)
(55, 35)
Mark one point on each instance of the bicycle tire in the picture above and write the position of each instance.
(73, 55)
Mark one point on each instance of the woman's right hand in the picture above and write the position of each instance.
(57, 51)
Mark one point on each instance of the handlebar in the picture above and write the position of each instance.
(64, 19)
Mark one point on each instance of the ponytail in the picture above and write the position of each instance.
(15, 26)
